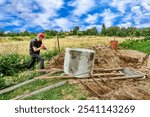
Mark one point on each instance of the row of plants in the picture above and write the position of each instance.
(140, 45)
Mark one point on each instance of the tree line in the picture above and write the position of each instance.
(110, 31)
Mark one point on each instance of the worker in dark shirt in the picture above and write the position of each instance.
(35, 47)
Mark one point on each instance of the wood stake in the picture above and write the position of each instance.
(40, 90)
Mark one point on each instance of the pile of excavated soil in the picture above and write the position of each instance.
(105, 57)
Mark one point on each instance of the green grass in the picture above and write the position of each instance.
(27, 88)
(64, 92)
(140, 45)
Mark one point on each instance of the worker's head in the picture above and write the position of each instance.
(40, 36)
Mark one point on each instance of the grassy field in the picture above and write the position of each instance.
(68, 91)
(22, 47)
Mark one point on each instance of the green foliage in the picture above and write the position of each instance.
(2, 83)
(147, 38)
(50, 53)
(92, 31)
(17, 39)
(50, 32)
(112, 31)
(12, 63)
(61, 36)
(103, 31)
(66, 91)
(140, 45)
(80, 33)
(76, 30)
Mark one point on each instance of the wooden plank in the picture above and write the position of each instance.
(55, 69)
(104, 70)
(16, 86)
(24, 83)
(92, 90)
(56, 77)
(46, 75)
(125, 77)
(98, 84)
(43, 70)
(40, 90)
(108, 74)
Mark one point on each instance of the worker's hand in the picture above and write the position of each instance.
(43, 47)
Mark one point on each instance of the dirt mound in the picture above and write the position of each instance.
(105, 57)
(57, 61)
(108, 58)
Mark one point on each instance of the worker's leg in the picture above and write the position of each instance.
(40, 59)
(31, 64)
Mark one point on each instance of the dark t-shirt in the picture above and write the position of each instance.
(34, 43)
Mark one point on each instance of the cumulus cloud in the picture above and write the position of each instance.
(61, 14)
(108, 17)
(146, 4)
(143, 25)
(127, 24)
(92, 18)
(82, 6)
(63, 23)
(23, 9)
(122, 5)
(136, 10)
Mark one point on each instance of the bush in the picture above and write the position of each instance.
(147, 38)
(126, 44)
(61, 36)
(2, 83)
(12, 63)
(50, 53)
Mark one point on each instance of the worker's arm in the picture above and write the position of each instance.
(36, 49)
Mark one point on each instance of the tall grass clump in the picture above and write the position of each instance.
(11, 64)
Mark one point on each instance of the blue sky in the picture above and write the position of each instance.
(38, 15)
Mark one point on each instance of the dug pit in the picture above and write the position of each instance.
(107, 58)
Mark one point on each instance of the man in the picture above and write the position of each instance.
(35, 47)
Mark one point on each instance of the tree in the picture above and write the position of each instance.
(103, 31)
(137, 33)
(75, 30)
(122, 32)
(112, 31)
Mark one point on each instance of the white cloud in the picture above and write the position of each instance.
(127, 24)
(51, 6)
(2, 2)
(142, 25)
(82, 6)
(127, 17)
(63, 23)
(92, 18)
(122, 5)
(23, 9)
(136, 10)
(146, 4)
(108, 17)
(50, 10)
(91, 26)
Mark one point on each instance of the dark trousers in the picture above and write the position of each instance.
(35, 57)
